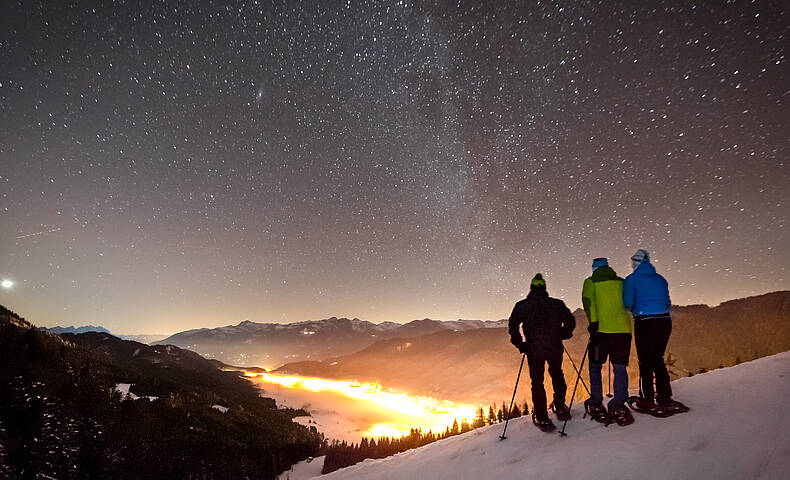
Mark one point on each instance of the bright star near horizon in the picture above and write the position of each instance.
(6, 283)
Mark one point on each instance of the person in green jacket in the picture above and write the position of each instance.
(610, 337)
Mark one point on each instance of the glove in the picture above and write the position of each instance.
(518, 343)
(592, 328)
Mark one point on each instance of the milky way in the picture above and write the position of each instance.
(181, 165)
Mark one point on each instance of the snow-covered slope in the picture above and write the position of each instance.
(305, 469)
(738, 428)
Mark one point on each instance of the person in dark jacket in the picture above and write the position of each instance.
(545, 322)
(646, 295)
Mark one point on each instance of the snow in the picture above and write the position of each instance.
(220, 408)
(228, 330)
(187, 333)
(123, 389)
(737, 429)
(334, 424)
(304, 470)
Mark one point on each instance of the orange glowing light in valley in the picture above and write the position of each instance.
(413, 411)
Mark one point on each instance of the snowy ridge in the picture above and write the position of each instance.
(274, 344)
(474, 324)
(737, 429)
(75, 330)
(247, 328)
(187, 333)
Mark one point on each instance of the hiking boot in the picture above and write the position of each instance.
(543, 422)
(562, 411)
(672, 406)
(621, 415)
(645, 405)
(596, 412)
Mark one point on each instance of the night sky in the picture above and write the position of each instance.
(173, 165)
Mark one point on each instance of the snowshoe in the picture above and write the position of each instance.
(672, 406)
(597, 413)
(543, 423)
(622, 416)
(645, 406)
(561, 411)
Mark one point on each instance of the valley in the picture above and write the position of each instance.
(349, 410)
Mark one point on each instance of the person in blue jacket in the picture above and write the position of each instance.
(646, 295)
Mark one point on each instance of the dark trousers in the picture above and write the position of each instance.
(536, 368)
(617, 348)
(651, 335)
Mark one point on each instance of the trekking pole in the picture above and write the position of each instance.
(584, 384)
(609, 393)
(584, 357)
(507, 418)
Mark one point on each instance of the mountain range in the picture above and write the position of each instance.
(142, 338)
(73, 329)
(274, 344)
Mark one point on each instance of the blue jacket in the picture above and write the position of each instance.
(645, 292)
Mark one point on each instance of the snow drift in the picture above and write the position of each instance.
(738, 428)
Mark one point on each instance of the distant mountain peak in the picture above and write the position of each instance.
(75, 330)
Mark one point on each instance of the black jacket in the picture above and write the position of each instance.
(546, 322)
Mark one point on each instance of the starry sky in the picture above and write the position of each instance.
(172, 165)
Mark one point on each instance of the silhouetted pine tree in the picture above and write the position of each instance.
(465, 427)
(516, 411)
(491, 415)
(480, 418)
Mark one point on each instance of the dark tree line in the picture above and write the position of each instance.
(342, 454)
(61, 418)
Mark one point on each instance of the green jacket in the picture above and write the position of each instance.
(602, 298)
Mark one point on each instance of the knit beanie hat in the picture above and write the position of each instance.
(538, 282)
(599, 262)
(640, 256)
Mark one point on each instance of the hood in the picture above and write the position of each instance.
(604, 273)
(645, 268)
